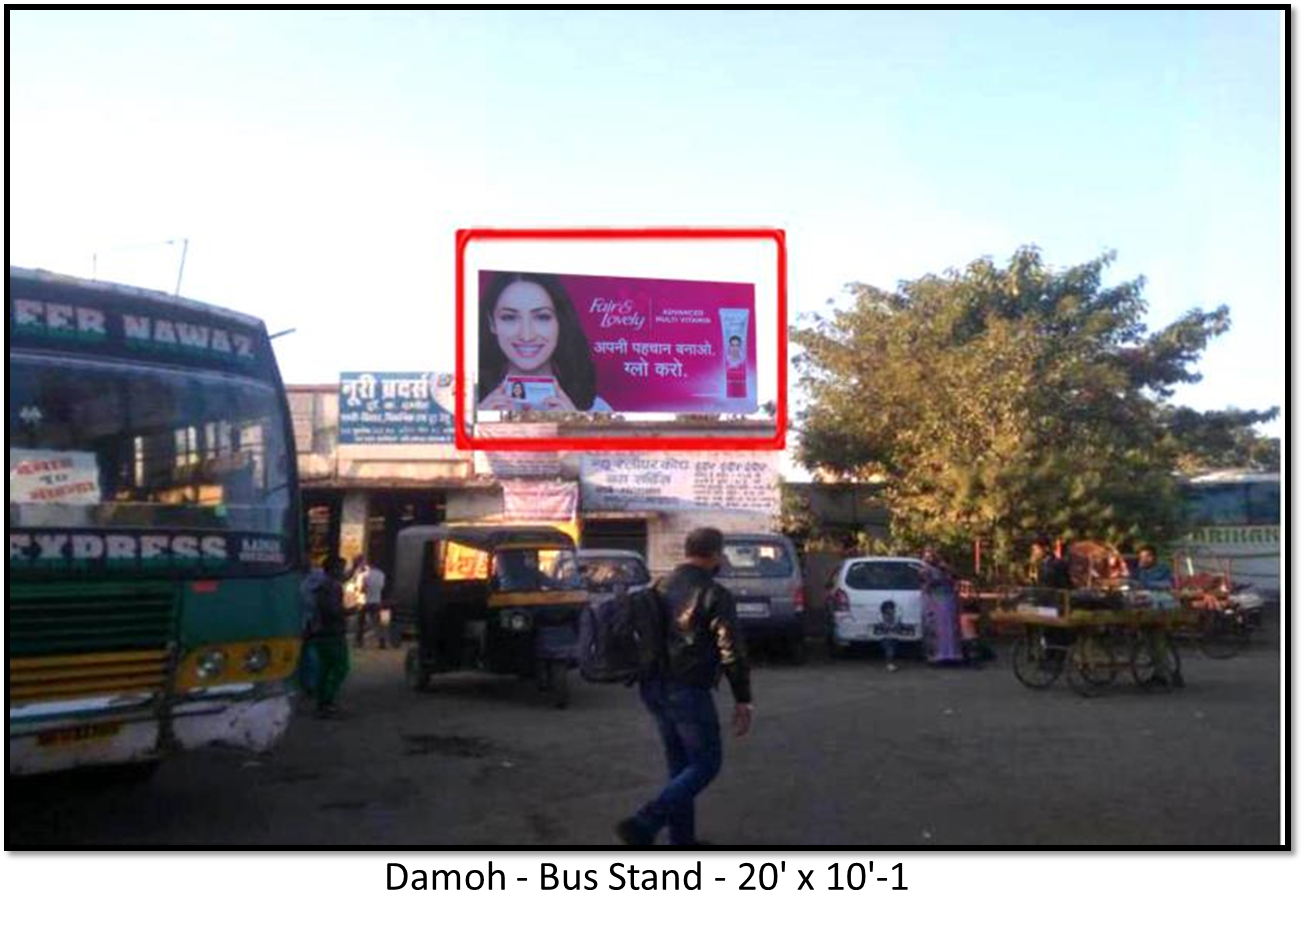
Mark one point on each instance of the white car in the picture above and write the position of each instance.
(875, 598)
(607, 571)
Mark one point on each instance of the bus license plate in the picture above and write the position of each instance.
(79, 734)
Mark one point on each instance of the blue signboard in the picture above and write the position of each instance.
(396, 408)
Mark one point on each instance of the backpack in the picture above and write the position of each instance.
(623, 640)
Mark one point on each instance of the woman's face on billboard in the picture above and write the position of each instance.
(524, 321)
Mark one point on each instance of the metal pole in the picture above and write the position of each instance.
(185, 246)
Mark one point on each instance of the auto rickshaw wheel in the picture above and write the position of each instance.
(418, 678)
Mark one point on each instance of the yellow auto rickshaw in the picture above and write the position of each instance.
(504, 599)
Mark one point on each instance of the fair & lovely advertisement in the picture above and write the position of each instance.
(568, 342)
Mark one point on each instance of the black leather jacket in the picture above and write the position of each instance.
(702, 638)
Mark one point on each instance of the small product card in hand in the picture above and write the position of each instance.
(530, 392)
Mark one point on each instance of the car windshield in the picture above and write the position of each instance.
(882, 577)
(536, 570)
(604, 573)
(96, 445)
(756, 559)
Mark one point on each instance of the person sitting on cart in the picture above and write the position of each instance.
(1151, 573)
(1155, 579)
(1051, 569)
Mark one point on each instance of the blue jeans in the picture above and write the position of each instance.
(690, 733)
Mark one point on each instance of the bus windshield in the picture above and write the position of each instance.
(99, 445)
(1227, 503)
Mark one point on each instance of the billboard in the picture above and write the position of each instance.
(569, 342)
(396, 408)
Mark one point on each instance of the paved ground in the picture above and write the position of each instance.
(843, 753)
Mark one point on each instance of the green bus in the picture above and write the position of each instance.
(1235, 519)
(154, 531)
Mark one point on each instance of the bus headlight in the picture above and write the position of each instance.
(210, 665)
(257, 658)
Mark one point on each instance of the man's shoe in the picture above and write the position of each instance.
(631, 833)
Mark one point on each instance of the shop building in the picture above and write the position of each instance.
(358, 495)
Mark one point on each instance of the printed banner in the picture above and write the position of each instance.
(729, 481)
(620, 344)
(509, 464)
(53, 477)
(534, 500)
(396, 408)
(464, 564)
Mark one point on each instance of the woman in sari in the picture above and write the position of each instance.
(941, 612)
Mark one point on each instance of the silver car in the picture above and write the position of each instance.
(606, 572)
(764, 574)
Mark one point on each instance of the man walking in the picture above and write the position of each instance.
(329, 638)
(702, 642)
(370, 584)
(308, 667)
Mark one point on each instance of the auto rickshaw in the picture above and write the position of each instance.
(504, 599)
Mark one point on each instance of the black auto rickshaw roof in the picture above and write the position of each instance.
(411, 541)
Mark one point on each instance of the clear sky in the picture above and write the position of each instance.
(319, 163)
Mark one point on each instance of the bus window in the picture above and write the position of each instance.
(96, 445)
(1217, 504)
(1265, 502)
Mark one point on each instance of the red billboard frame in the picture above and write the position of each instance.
(466, 441)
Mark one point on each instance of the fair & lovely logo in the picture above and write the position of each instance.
(617, 314)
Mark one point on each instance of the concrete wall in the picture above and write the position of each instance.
(474, 504)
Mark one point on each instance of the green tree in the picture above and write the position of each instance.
(1002, 401)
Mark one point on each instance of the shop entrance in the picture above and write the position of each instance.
(615, 534)
(389, 512)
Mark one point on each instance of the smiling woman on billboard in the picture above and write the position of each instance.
(531, 343)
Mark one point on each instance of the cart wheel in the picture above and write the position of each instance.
(1156, 663)
(1222, 636)
(418, 678)
(1091, 665)
(1036, 663)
